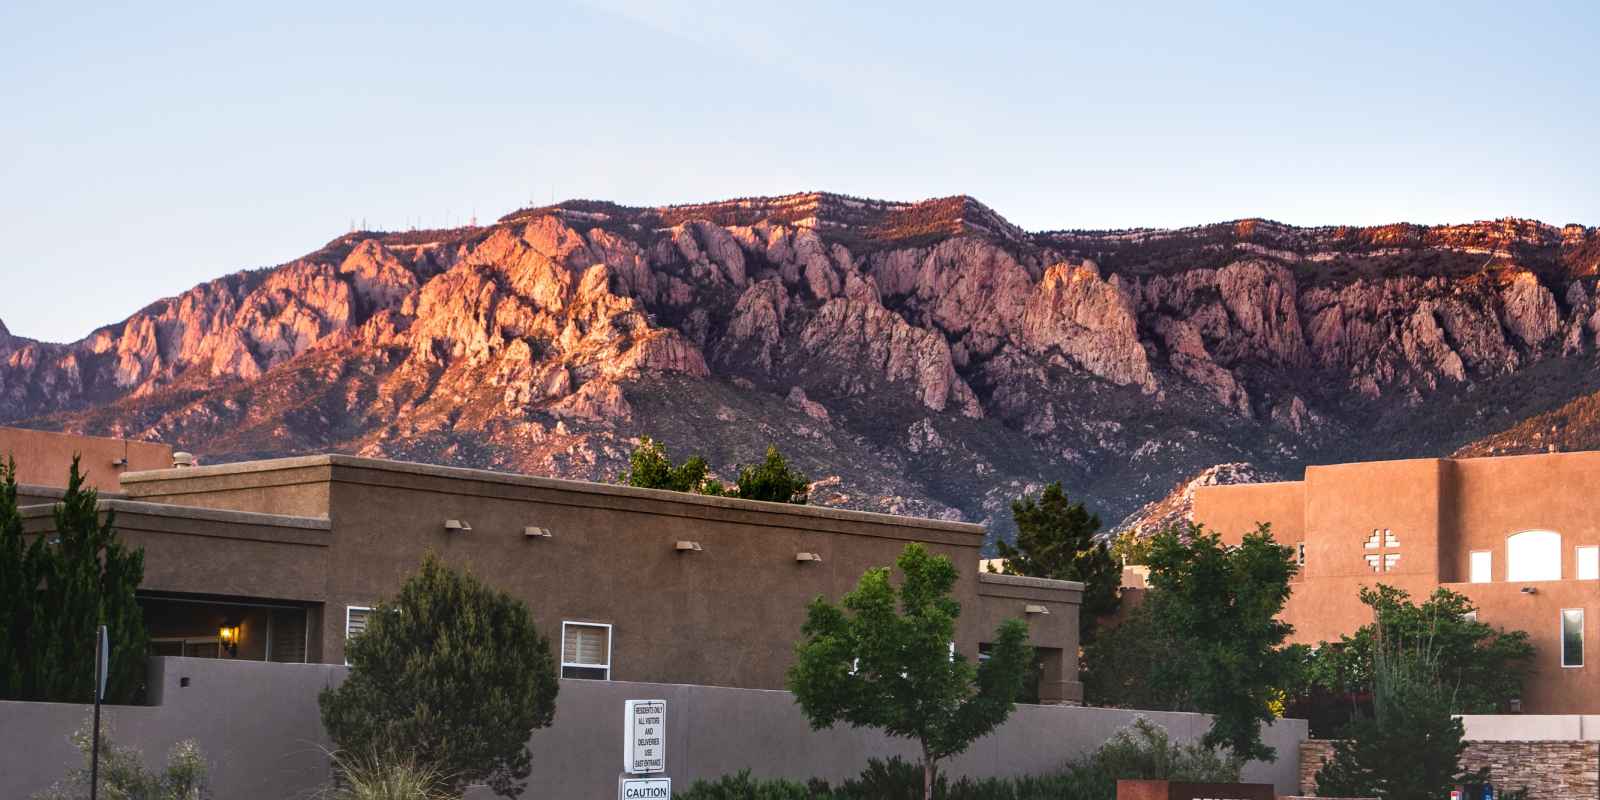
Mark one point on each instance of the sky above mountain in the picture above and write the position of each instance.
(145, 149)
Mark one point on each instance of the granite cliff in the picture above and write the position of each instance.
(926, 358)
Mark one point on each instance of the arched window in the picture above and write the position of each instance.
(1533, 556)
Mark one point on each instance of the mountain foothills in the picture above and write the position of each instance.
(926, 358)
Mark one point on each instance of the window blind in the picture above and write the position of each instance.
(586, 644)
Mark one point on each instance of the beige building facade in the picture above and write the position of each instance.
(1518, 535)
(282, 560)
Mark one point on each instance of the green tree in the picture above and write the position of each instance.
(649, 467)
(1411, 717)
(1056, 538)
(883, 659)
(450, 674)
(1217, 608)
(58, 589)
(773, 480)
(1482, 668)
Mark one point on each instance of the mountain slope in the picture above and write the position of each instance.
(927, 358)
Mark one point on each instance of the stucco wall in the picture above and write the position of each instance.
(259, 727)
(44, 457)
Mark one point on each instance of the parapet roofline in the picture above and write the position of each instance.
(190, 512)
(1024, 580)
(337, 461)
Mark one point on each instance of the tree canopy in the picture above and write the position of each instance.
(772, 480)
(450, 674)
(56, 591)
(884, 659)
(1056, 538)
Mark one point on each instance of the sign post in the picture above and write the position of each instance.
(644, 752)
(102, 666)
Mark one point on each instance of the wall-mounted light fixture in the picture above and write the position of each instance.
(1529, 590)
(457, 525)
(1033, 608)
(808, 557)
(1515, 705)
(119, 462)
(536, 532)
(685, 546)
(228, 636)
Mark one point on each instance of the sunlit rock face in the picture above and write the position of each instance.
(927, 358)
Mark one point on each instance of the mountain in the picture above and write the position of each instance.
(1177, 507)
(928, 358)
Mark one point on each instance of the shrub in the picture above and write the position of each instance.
(377, 776)
(743, 787)
(123, 776)
(450, 673)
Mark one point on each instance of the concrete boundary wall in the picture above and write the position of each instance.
(259, 726)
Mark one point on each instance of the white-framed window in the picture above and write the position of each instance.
(355, 623)
(1300, 554)
(586, 650)
(1588, 563)
(1470, 616)
(1533, 556)
(1572, 637)
(1482, 566)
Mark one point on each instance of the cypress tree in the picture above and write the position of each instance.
(58, 590)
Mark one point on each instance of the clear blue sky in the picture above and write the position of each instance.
(144, 149)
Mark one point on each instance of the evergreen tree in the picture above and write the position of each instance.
(59, 589)
(649, 467)
(1056, 539)
(883, 659)
(450, 675)
(773, 481)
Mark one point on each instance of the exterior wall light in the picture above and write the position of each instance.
(1529, 590)
(811, 557)
(536, 532)
(1033, 608)
(685, 546)
(228, 636)
(456, 525)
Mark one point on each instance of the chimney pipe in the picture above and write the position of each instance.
(182, 460)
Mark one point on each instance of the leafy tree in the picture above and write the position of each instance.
(1118, 664)
(57, 591)
(882, 659)
(649, 467)
(450, 674)
(1216, 607)
(1130, 548)
(773, 480)
(1411, 716)
(1056, 538)
(1481, 668)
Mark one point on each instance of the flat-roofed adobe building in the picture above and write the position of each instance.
(44, 457)
(1519, 535)
(629, 584)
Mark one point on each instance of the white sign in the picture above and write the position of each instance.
(644, 750)
(645, 789)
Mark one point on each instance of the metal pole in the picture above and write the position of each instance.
(99, 690)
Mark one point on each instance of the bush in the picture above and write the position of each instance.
(450, 673)
(123, 776)
(376, 776)
(1141, 750)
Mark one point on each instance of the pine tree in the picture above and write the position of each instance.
(19, 581)
(451, 675)
(773, 480)
(1056, 538)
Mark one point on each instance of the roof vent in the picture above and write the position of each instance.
(182, 460)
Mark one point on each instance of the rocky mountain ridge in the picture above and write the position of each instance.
(927, 358)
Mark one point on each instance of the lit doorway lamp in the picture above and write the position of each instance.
(228, 636)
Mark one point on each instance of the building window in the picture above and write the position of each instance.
(586, 650)
(1571, 637)
(355, 624)
(1470, 616)
(1533, 556)
(1588, 563)
(1482, 566)
(1300, 554)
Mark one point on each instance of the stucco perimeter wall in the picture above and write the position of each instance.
(44, 457)
(1554, 770)
(258, 725)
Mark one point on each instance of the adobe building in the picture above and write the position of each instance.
(281, 560)
(43, 458)
(1518, 535)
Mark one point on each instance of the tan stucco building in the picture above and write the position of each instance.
(630, 584)
(1519, 535)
